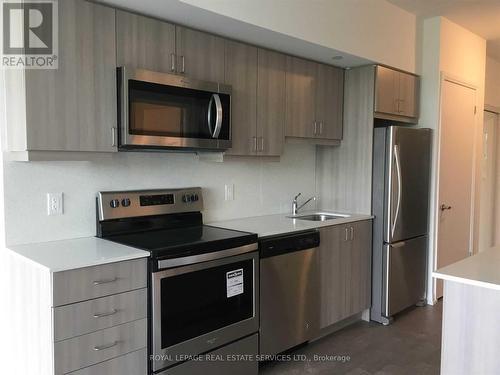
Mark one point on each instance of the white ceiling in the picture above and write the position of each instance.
(482, 17)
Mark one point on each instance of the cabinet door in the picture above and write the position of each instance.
(408, 95)
(270, 102)
(143, 42)
(73, 108)
(199, 55)
(358, 257)
(386, 90)
(300, 97)
(329, 102)
(241, 74)
(333, 275)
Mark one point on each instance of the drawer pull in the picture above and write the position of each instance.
(103, 347)
(102, 315)
(100, 282)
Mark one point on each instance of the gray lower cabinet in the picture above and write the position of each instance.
(345, 271)
(73, 107)
(99, 319)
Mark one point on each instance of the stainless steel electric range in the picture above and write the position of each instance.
(203, 281)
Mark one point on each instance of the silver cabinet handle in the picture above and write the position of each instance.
(113, 136)
(321, 127)
(102, 315)
(398, 203)
(346, 234)
(218, 115)
(401, 107)
(102, 347)
(315, 127)
(183, 64)
(444, 207)
(352, 233)
(254, 144)
(172, 62)
(107, 281)
(261, 144)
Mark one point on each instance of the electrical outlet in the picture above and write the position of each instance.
(54, 204)
(229, 192)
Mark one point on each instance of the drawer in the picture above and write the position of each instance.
(89, 316)
(223, 360)
(76, 353)
(98, 281)
(135, 363)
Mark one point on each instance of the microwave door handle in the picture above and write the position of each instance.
(209, 115)
(218, 116)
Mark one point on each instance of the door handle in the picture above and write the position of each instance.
(321, 127)
(218, 115)
(183, 64)
(108, 281)
(261, 144)
(102, 315)
(102, 347)
(444, 207)
(315, 124)
(352, 233)
(398, 203)
(172, 62)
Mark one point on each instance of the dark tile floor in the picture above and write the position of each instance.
(411, 345)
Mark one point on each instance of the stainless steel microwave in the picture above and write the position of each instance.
(161, 111)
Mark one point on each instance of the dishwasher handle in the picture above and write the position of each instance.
(288, 243)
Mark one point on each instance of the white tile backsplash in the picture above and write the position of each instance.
(260, 187)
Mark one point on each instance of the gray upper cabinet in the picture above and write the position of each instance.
(270, 102)
(199, 55)
(143, 42)
(329, 102)
(241, 74)
(396, 94)
(72, 108)
(314, 100)
(300, 98)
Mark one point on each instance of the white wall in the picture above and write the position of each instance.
(492, 91)
(372, 29)
(447, 48)
(260, 188)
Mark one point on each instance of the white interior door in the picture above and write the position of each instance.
(488, 221)
(456, 174)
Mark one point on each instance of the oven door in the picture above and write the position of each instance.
(203, 306)
(159, 110)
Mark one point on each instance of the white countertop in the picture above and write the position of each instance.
(482, 269)
(65, 255)
(271, 225)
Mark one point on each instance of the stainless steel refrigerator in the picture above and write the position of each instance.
(401, 176)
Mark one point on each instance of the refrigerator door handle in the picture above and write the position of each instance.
(398, 203)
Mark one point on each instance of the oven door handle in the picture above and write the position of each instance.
(218, 115)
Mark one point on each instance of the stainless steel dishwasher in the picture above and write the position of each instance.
(289, 291)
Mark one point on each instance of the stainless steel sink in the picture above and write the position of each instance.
(319, 216)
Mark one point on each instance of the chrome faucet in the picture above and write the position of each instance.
(296, 209)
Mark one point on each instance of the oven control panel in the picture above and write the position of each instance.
(123, 204)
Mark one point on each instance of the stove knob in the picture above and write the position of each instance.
(114, 203)
(126, 202)
(193, 198)
(196, 198)
(186, 198)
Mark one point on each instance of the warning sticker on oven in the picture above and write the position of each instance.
(234, 282)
